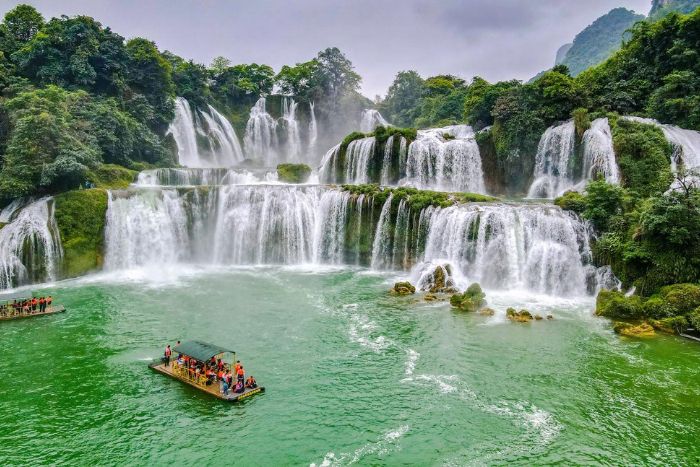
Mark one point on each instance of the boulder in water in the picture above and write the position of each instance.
(550, 317)
(403, 288)
(643, 329)
(522, 316)
(430, 297)
(487, 311)
(471, 300)
(438, 281)
(538, 318)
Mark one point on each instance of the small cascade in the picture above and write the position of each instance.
(357, 160)
(30, 245)
(554, 173)
(445, 159)
(290, 126)
(313, 130)
(598, 152)
(194, 177)
(260, 140)
(222, 146)
(370, 120)
(686, 143)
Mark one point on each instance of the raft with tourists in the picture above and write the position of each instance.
(209, 368)
(19, 305)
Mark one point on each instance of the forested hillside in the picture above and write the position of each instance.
(77, 96)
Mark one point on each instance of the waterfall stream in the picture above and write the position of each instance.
(370, 120)
(30, 246)
(219, 147)
(686, 143)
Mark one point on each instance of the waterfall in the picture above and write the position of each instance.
(194, 177)
(553, 168)
(445, 159)
(328, 169)
(260, 138)
(291, 129)
(536, 247)
(370, 120)
(230, 224)
(386, 162)
(381, 247)
(357, 160)
(30, 246)
(686, 143)
(224, 149)
(313, 130)
(598, 152)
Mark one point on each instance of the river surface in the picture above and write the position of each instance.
(353, 376)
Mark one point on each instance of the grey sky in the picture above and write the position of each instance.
(495, 39)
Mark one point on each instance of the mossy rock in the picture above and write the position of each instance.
(473, 299)
(112, 176)
(550, 317)
(293, 173)
(538, 318)
(80, 216)
(674, 325)
(487, 311)
(403, 288)
(522, 316)
(633, 330)
(430, 297)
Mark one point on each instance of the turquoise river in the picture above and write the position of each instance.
(353, 376)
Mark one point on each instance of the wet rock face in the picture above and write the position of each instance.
(403, 288)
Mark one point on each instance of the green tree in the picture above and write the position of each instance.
(19, 26)
(403, 98)
(336, 75)
(300, 80)
(150, 74)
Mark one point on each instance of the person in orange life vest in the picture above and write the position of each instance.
(241, 374)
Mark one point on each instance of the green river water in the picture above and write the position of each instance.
(353, 376)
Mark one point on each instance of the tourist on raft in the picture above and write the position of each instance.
(28, 306)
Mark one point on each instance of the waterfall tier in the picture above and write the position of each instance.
(561, 166)
(445, 159)
(204, 138)
(540, 248)
(197, 177)
(30, 246)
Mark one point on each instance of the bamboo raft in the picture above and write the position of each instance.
(52, 310)
(202, 352)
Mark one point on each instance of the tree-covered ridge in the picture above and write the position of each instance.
(660, 8)
(75, 95)
(599, 40)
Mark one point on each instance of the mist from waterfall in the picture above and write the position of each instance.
(222, 146)
(30, 246)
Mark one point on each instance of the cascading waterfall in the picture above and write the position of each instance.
(598, 152)
(686, 143)
(328, 170)
(290, 126)
(386, 163)
(30, 246)
(224, 149)
(370, 120)
(357, 159)
(260, 140)
(535, 247)
(313, 130)
(553, 168)
(445, 159)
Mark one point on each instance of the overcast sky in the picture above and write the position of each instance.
(495, 39)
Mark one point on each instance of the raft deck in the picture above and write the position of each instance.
(52, 310)
(212, 389)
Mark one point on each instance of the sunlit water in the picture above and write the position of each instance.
(353, 375)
